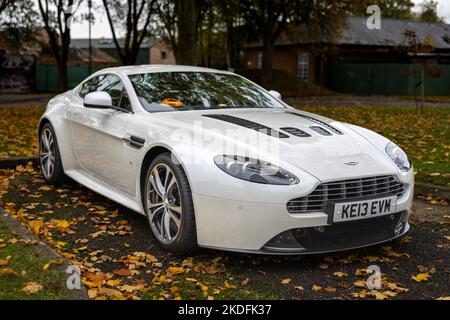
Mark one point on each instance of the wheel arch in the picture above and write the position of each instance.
(150, 155)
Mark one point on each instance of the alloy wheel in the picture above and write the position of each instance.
(47, 153)
(163, 200)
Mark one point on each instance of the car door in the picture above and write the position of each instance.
(98, 135)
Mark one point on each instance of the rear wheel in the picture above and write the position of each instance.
(49, 156)
(168, 205)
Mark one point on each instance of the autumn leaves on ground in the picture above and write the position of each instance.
(119, 259)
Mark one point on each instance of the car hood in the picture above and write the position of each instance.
(342, 154)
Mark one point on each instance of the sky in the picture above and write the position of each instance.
(101, 27)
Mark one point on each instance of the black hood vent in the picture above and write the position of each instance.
(247, 124)
(326, 125)
(296, 132)
(321, 130)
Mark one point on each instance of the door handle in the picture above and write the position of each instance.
(134, 141)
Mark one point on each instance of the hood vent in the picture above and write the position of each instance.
(248, 124)
(296, 132)
(326, 125)
(321, 130)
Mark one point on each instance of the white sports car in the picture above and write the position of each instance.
(213, 160)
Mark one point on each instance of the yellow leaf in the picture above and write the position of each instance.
(378, 295)
(36, 225)
(340, 274)
(316, 288)
(362, 294)
(323, 266)
(113, 283)
(420, 277)
(285, 281)
(299, 288)
(443, 298)
(51, 262)
(229, 286)
(175, 270)
(8, 272)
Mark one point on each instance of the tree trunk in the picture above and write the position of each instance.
(63, 79)
(267, 55)
(187, 32)
(230, 47)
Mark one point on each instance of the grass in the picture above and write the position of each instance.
(27, 265)
(18, 130)
(424, 137)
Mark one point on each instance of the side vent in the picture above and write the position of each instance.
(248, 124)
(321, 130)
(326, 125)
(296, 132)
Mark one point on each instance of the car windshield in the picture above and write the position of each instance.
(179, 91)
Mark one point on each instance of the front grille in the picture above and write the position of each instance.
(346, 190)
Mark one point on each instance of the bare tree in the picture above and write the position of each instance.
(5, 4)
(180, 20)
(136, 16)
(272, 17)
(56, 15)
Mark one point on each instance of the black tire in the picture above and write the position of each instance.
(57, 175)
(186, 239)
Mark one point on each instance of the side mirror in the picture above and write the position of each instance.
(98, 100)
(275, 94)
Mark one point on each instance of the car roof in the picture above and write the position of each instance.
(150, 68)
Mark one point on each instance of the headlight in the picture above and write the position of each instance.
(254, 170)
(398, 156)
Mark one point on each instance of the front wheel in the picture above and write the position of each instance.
(49, 156)
(168, 205)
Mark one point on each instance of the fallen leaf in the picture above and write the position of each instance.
(175, 270)
(123, 272)
(316, 288)
(420, 277)
(285, 281)
(52, 262)
(32, 288)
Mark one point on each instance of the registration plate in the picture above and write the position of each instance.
(349, 211)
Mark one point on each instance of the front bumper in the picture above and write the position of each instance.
(268, 228)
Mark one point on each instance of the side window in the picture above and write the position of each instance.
(89, 86)
(111, 84)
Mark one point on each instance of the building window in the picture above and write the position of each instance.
(163, 55)
(303, 66)
(259, 62)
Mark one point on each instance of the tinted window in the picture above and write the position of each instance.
(108, 83)
(169, 91)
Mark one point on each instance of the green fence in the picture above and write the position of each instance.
(389, 79)
(47, 77)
